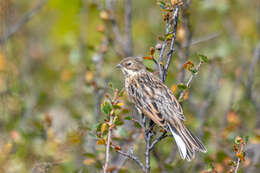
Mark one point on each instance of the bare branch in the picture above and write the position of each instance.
(148, 138)
(169, 55)
(203, 39)
(237, 165)
(251, 70)
(173, 21)
(108, 144)
(131, 156)
(158, 139)
(22, 22)
(126, 45)
(115, 27)
(128, 27)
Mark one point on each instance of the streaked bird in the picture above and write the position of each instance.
(155, 100)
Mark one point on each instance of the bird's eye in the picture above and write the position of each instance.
(128, 64)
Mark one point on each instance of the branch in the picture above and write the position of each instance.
(158, 139)
(237, 165)
(22, 22)
(148, 137)
(169, 55)
(203, 39)
(108, 143)
(128, 27)
(131, 156)
(173, 21)
(126, 45)
(190, 79)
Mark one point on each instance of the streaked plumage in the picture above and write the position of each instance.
(155, 100)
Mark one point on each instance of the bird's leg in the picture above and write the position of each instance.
(143, 120)
(151, 125)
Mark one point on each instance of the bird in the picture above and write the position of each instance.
(155, 100)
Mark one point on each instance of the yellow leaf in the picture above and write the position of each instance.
(120, 104)
(66, 75)
(104, 127)
(233, 118)
(89, 161)
(2, 62)
(186, 95)
(104, 15)
(174, 88)
(181, 34)
(89, 76)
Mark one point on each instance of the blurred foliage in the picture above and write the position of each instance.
(51, 81)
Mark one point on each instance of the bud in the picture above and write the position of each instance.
(158, 46)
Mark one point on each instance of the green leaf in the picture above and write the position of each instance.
(116, 107)
(128, 118)
(182, 86)
(193, 70)
(138, 125)
(107, 107)
(169, 36)
(161, 38)
(121, 93)
(162, 4)
(203, 58)
(117, 121)
(98, 127)
(89, 155)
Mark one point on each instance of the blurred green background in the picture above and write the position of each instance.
(55, 70)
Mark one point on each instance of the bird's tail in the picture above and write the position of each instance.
(187, 143)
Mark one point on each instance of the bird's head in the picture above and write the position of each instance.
(131, 66)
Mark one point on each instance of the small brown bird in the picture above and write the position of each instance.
(155, 100)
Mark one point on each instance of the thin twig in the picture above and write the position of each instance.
(237, 165)
(203, 39)
(190, 79)
(158, 139)
(131, 156)
(173, 21)
(183, 57)
(22, 22)
(169, 55)
(108, 144)
(128, 27)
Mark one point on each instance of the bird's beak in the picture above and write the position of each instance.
(118, 66)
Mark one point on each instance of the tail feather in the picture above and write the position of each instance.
(180, 143)
(187, 143)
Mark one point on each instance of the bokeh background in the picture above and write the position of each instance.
(57, 61)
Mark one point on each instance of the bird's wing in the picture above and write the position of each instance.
(154, 99)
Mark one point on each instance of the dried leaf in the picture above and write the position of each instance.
(148, 57)
(151, 50)
(117, 147)
(101, 141)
